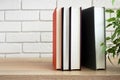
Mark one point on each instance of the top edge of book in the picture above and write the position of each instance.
(70, 6)
(79, 7)
(93, 7)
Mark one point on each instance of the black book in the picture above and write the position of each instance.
(93, 34)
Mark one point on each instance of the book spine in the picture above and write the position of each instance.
(54, 39)
(104, 34)
(62, 34)
(80, 35)
(70, 38)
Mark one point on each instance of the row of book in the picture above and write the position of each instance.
(77, 35)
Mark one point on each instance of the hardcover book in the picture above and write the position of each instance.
(75, 38)
(65, 38)
(93, 34)
(57, 38)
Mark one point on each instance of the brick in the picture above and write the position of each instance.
(44, 55)
(10, 26)
(106, 3)
(35, 55)
(108, 33)
(46, 36)
(37, 26)
(38, 4)
(23, 37)
(22, 15)
(10, 48)
(1, 15)
(2, 37)
(63, 3)
(113, 14)
(107, 16)
(46, 15)
(78, 3)
(37, 47)
(9, 4)
(110, 29)
(2, 55)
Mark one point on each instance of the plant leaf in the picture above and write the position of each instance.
(116, 41)
(111, 19)
(110, 60)
(115, 33)
(112, 50)
(109, 25)
(118, 51)
(108, 38)
(103, 47)
(118, 13)
(109, 11)
(113, 36)
(114, 54)
(118, 32)
(113, 1)
(119, 61)
(102, 44)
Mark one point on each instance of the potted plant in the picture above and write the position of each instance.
(113, 22)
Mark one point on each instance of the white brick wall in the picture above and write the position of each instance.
(10, 4)
(23, 55)
(67, 3)
(10, 26)
(23, 37)
(10, 48)
(46, 37)
(46, 15)
(46, 55)
(39, 4)
(22, 15)
(37, 47)
(2, 37)
(2, 55)
(106, 3)
(26, 25)
(1, 15)
(37, 26)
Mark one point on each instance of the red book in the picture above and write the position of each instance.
(57, 38)
(54, 39)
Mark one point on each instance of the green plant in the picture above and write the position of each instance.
(114, 22)
(113, 2)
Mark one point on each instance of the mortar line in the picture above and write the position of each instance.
(91, 2)
(4, 16)
(21, 5)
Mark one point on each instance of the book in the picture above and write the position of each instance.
(93, 34)
(75, 38)
(57, 38)
(65, 38)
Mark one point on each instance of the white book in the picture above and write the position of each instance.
(75, 37)
(99, 36)
(65, 36)
(58, 36)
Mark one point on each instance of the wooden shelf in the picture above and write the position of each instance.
(41, 69)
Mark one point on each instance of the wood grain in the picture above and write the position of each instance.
(41, 69)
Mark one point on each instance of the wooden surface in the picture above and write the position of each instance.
(41, 69)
